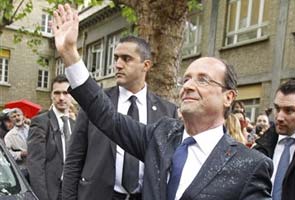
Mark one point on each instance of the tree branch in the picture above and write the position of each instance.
(16, 10)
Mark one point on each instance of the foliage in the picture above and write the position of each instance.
(129, 14)
(194, 5)
(13, 10)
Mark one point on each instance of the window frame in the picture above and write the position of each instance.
(99, 52)
(43, 70)
(252, 106)
(45, 28)
(237, 32)
(192, 46)
(110, 68)
(59, 67)
(4, 70)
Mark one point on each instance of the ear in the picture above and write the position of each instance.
(229, 97)
(147, 65)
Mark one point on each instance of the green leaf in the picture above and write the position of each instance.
(129, 14)
(194, 5)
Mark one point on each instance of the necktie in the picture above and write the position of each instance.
(282, 168)
(66, 130)
(178, 161)
(131, 164)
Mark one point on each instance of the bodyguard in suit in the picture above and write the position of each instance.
(94, 165)
(48, 140)
(190, 159)
(278, 143)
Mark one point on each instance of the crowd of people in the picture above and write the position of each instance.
(242, 129)
(128, 143)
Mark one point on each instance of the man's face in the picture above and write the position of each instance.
(17, 118)
(263, 122)
(61, 99)
(205, 100)
(130, 69)
(284, 113)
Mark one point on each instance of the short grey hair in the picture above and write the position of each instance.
(15, 110)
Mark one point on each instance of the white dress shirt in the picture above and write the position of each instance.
(72, 71)
(123, 106)
(278, 152)
(58, 115)
(197, 155)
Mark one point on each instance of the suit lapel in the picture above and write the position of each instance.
(173, 141)
(56, 132)
(214, 164)
(152, 108)
(290, 169)
(72, 124)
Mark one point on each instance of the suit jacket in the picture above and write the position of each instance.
(266, 144)
(45, 155)
(231, 172)
(89, 171)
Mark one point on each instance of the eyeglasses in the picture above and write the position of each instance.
(202, 81)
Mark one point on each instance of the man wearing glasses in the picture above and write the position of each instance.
(190, 159)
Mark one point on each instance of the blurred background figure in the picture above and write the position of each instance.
(5, 123)
(238, 107)
(233, 126)
(262, 124)
(73, 111)
(268, 112)
(16, 139)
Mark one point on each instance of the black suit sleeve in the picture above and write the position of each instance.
(259, 183)
(119, 128)
(36, 158)
(75, 158)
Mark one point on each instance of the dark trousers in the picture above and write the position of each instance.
(59, 197)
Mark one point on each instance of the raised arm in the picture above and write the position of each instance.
(65, 27)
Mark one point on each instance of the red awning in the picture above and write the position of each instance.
(29, 109)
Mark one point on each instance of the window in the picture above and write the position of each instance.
(112, 43)
(43, 77)
(252, 108)
(246, 20)
(192, 36)
(59, 66)
(45, 28)
(4, 58)
(95, 59)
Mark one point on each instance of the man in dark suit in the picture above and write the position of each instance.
(189, 159)
(47, 143)
(89, 174)
(273, 142)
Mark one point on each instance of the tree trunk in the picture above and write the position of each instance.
(161, 23)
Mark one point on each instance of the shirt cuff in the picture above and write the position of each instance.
(77, 74)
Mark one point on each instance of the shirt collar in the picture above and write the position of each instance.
(24, 126)
(281, 137)
(208, 139)
(126, 94)
(58, 113)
